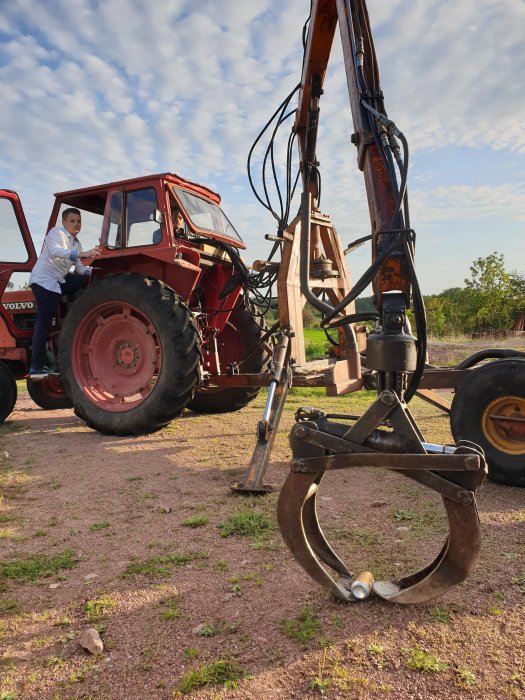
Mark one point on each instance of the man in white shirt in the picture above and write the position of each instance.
(51, 278)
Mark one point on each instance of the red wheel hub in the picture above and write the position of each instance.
(53, 387)
(116, 356)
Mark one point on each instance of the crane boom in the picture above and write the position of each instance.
(381, 187)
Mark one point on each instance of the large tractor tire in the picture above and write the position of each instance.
(48, 393)
(129, 355)
(8, 392)
(241, 337)
(489, 409)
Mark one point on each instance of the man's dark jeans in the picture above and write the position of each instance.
(46, 306)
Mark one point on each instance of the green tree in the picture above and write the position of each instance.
(492, 295)
(436, 317)
(453, 308)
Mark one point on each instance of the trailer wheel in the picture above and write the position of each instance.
(241, 336)
(49, 393)
(489, 409)
(129, 355)
(8, 392)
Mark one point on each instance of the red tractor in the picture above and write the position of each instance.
(164, 313)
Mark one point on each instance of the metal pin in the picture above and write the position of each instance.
(361, 586)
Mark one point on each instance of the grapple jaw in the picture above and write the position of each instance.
(320, 445)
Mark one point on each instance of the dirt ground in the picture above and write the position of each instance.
(142, 539)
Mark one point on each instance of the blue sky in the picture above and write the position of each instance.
(94, 91)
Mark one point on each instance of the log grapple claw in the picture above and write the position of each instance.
(455, 472)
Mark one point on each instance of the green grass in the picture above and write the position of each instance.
(191, 652)
(403, 515)
(37, 566)
(98, 526)
(98, 607)
(8, 606)
(161, 565)
(224, 673)
(520, 581)
(303, 628)
(440, 615)
(195, 521)
(465, 677)
(247, 524)
(365, 537)
(316, 343)
(171, 610)
(422, 661)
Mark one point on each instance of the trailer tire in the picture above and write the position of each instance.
(8, 392)
(129, 355)
(241, 336)
(495, 389)
(49, 393)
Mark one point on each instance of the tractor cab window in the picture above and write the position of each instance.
(13, 248)
(143, 226)
(92, 214)
(113, 225)
(206, 215)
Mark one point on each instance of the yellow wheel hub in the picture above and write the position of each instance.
(503, 424)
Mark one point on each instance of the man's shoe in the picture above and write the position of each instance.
(38, 374)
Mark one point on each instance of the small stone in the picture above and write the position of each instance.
(90, 577)
(403, 528)
(377, 504)
(244, 562)
(90, 640)
(199, 628)
(53, 586)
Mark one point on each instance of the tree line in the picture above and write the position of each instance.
(491, 299)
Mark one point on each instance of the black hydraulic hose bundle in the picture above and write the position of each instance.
(386, 136)
(393, 149)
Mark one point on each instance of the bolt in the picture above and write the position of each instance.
(354, 138)
(464, 497)
(394, 319)
(300, 431)
(387, 398)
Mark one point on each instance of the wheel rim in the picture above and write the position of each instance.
(52, 387)
(116, 356)
(503, 424)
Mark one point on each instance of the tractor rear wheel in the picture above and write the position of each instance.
(8, 392)
(129, 355)
(48, 393)
(241, 337)
(489, 409)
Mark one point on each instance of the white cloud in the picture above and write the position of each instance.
(97, 91)
(468, 203)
